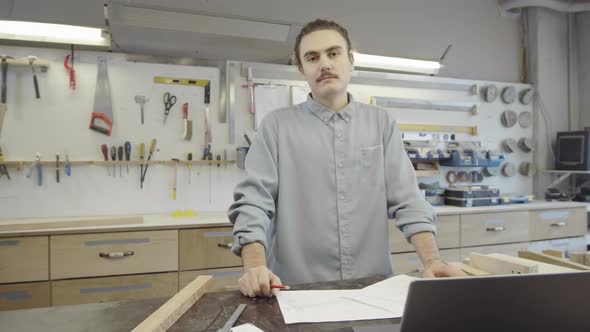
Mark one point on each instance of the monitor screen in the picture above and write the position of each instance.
(571, 149)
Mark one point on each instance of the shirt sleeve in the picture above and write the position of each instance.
(253, 208)
(404, 201)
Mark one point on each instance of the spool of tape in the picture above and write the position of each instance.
(508, 118)
(476, 176)
(525, 119)
(451, 177)
(526, 144)
(508, 169)
(508, 94)
(490, 171)
(509, 145)
(527, 169)
(490, 93)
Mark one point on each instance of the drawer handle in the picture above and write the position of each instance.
(496, 229)
(225, 245)
(116, 254)
(559, 224)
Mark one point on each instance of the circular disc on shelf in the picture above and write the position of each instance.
(508, 169)
(508, 118)
(490, 93)
(526, 96)
(527, 169)
(508, 94)
(490, 171)
(476, 176)
(526, 144)
(525, 119)
(509, 145)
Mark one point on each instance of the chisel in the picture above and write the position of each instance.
(152, 148)
(105, 154)
(114, 158)
(32, 59)
(57, 168)
(127, 154)
(120, 155)
(189, 165)
(142, 158)
(4, 76)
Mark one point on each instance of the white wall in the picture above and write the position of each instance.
(583, 31)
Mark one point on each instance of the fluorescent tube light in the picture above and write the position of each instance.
(52, 33)
(396, 64)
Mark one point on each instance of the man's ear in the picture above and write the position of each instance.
(351, 57)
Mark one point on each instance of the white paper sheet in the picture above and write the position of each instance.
(268, 98)
(385, 299)
(299, 94)
(246, 328)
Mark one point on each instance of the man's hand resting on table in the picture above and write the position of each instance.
(256, 281)
(440, 269)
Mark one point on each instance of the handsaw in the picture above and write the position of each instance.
(103, 108)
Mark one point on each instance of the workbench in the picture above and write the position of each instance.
(208, 314)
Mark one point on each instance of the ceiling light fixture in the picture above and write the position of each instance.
(53, 33)
(396, 64)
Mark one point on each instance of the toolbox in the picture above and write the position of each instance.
(471, 202)
(472, 192)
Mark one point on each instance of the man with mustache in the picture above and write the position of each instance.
(322, 179)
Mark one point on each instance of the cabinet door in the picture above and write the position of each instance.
(105, 289)
(24, 296)
(92, 255)
(223, 279)
(24, 259)
(410, 262)
(557, 223)
(494, 228)
(207, 248)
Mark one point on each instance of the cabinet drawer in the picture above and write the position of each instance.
(90, 255)
(552, 224)
(410, 262)
(506, 249)
(494, 228)
(447, 235)
(223, 279)
(24, 296)
(107, 289)
(572, 244)
(24, 259)
(207, 248)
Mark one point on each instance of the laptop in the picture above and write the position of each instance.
(527, 302)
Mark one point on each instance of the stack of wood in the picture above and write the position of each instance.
(548, 261)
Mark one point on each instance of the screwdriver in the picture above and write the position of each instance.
(105, 153)
(127, 154)
(120, 155)
(218, 159)
(57, 168)
(114, 158)
(141, 157)
(174, 184)
(152, 148)
(189, 166)
(68, 167)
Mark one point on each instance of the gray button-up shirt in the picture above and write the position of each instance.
(319, 188)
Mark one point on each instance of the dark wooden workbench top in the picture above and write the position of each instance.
(208, 314)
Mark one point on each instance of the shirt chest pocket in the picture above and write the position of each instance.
(371, 156)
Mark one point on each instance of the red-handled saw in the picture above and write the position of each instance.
(103, 108)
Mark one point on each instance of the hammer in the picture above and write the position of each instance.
(32, 59)
(4, 74)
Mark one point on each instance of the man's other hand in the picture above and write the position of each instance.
(440, 269)
(256, 281)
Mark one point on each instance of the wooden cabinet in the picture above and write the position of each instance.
(90, 255)
(24, 259)
(207, 248)
(447, 236)
(106, 289)
(557, 223)
(25, 296)
(494, 228)
(223, 279)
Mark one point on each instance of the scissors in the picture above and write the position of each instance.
(169, 101)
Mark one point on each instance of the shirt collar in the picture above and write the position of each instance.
(325, 114)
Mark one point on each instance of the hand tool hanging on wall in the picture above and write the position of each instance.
(169, 101)
(68, 166)
(4, 76)
(103, 108)
(206, 151)
(57, 168)
(36, 165)
(32, 60)
(141, 100)
(208, 135)
(250, 85)
(152, 148)
(142, 158)
(127, 154)
(114, 158)
(69, 66)
(188, 124)
(120, 155)
(105, 154)
(174, 183)
(3, 169)
(189, 165)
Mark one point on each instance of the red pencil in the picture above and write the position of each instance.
(280, 287)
